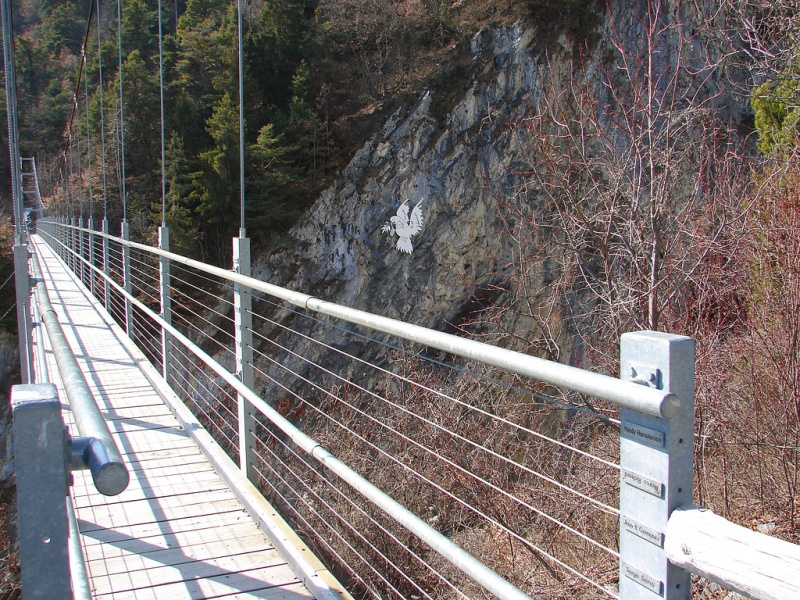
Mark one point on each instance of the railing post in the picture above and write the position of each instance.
(126, 278)
(42, 481)
(242, 307)
(166, 301)
(23, 296)
(66, 235)
(73, 246)
(656, 465)
(80, 249)
(91, 255)
(106, 269)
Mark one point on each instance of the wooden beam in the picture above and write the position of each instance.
(752, 564)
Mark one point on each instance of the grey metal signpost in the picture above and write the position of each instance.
(42, 481)
(656, 465)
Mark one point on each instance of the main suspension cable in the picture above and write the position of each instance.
(80, 76)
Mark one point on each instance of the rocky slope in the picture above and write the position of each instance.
(449, 163)
(454, 152)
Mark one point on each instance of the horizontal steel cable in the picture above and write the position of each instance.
(184, 282)
(199, 275)
(341, 559)
(450, 366)
(302, 482)
(332, 529)
(441, 395)
(195, 328)
(176, 305)
(222, 404)
(7, 280)
(604, 507)
(326, 522)
(465, 504)
(212, 422)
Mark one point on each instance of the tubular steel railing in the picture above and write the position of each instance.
(44, 455)
(95, 450)
(416, 463)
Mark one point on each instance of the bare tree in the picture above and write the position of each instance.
(631, 169)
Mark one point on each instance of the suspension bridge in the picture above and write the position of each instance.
(232, 438)
(230, 496)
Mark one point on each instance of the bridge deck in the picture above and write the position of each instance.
(177, 531)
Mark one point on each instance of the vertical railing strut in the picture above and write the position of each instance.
(126, 278)
(242, 307)
(80, 249)
(656, 465)
(91, 255)
(166, 300)
(106, 268)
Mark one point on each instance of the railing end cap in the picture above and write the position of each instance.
(670, 406)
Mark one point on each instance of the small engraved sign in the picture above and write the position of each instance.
(648, 581)
(643, 531)
(644, 435)
(651, 486)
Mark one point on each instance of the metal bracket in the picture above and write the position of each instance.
(649, 376)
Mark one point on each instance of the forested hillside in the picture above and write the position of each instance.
(318, 75)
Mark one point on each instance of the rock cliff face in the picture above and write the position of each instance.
(460, 160)
(451, 165)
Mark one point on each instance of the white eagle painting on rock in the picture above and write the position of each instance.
(404, 226)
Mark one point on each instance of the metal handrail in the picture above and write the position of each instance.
(97, 451)
(652, 401)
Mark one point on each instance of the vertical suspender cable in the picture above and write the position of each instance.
(242, 232)
(102, 115)
(161, 90)
(68, 169)
(68, 172)
(121, 116)
(88, 147)
(79, 161)
(66, 186)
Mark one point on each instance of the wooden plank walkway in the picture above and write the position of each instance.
(177, 531)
